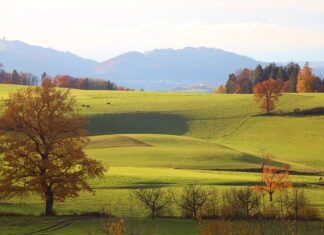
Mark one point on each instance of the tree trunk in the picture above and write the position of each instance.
(153, 214)
(270, 197)
(268, 105)
(49, 203)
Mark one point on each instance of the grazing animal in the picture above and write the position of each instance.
(108, 103)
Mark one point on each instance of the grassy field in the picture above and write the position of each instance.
(153, 139)
(78, 225)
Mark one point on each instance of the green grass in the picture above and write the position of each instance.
(298, 141)
(85, 226)
(150, 139)
(226, 119)
(166, 151)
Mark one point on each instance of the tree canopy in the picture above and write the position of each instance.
(41, 142)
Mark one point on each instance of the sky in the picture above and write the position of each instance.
(268, 30)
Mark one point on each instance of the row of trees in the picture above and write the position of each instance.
(195, 201)
(68, 81)
(17, 78)
(201, 203)
(291, 78)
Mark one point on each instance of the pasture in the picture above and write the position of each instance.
(165, 139)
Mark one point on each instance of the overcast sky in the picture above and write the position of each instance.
(269, 30)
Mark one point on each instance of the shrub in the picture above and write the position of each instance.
(299, 207)
(116, 228)
(239, 203)
(191, 200)
(153, 199)
(211, 208)
(226, 227)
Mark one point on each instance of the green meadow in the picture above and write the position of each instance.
(166, 139)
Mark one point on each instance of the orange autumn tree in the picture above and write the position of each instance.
(274, 179)
(306, 81)
(266, 93)
(42, 144)
(220, 89)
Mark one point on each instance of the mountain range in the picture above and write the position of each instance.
(162, 69)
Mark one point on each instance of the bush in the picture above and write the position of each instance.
(271, 212)
(241, 203)
(191, 200)
(215, 227)
(299, 207)
(116, 228)
(154, 199)
(211, 208)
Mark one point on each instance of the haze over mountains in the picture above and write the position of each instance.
(163, 69)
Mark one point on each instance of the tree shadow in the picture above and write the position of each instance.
(317, 111)
(137, 123)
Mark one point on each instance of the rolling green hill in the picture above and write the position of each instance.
(153, 139)
(224, 129)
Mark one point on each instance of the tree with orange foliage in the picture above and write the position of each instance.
(244, 81)
(306, 81)
(42, 144)
(266, 93)
(220, 89)
(274, 179)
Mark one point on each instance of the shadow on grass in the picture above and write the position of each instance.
(317, 111)
(137, 123)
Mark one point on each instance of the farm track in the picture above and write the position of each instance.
(59, 225)
(236, 127)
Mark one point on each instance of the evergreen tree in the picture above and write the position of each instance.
(15, 79)
(1, 73)
(231, 84)
(44, 77)
(281, 75)
(258, 75)
(273, 71)
(292, 70)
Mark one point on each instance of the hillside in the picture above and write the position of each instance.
(187, 69)
(163, 69)
(169, 139)
(35, 59)
(224, 131)
(168, 69)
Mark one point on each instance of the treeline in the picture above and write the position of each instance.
(17, 78)
(239, 203)
(66, 81)
(291, 78)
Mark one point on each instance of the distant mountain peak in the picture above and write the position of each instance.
(158, 69)
(36, 59)
(162, 69)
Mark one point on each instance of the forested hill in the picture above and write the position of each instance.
(163, 69)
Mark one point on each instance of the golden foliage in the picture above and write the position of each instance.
(42, 143)
(306, 80)
(266, 93)
(117, 228)
(220, 89)
(274, 179)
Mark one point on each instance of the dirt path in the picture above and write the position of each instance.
(59, 225)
